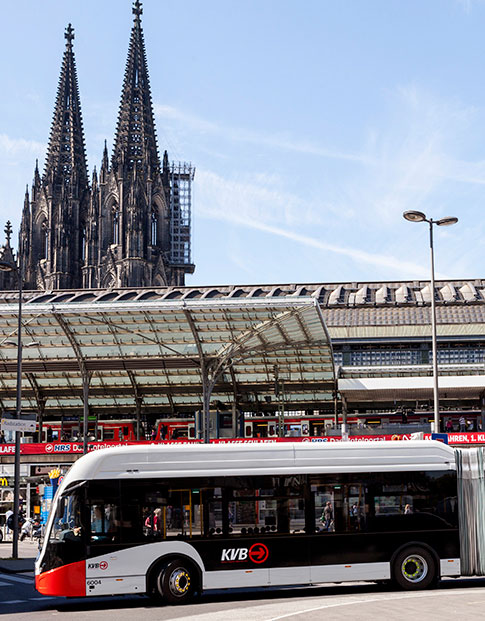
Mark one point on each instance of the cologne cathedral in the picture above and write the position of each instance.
(129, 226)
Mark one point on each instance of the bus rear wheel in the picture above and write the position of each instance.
(414, 568)
(176, 582)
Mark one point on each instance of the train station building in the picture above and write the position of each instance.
(318, 352)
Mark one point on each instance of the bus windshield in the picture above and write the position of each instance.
(67, 519)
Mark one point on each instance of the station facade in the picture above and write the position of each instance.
(139, 361)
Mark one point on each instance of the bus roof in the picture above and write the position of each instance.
(196, 460)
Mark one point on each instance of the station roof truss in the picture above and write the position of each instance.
(160, 354)
(365, 310)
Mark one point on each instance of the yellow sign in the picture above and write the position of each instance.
(55, 473)
(3, 482)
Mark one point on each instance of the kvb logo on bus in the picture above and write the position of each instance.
(257, 553)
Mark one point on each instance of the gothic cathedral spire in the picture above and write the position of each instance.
(52, 229)
(132, 227)
(66, 157)
(133, 245)
(135, 140)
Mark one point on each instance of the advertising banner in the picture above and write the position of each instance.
(60, 448)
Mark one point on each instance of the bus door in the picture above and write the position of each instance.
(183, 514)
(340, 514)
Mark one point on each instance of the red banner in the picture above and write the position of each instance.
(63, 448)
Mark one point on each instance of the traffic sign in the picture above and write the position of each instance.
(26, 422)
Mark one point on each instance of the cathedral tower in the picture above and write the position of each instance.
(132, 227)
(136, 201)
(54, 217)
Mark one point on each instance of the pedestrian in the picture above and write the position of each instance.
(2, 437)
(462, 423)
(407, 510)
(8, 521)
(449, 426)
(327, 516)
(153, 523)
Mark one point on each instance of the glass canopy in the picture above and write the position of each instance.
(166, 357)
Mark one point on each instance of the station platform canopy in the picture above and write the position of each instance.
(373, 389)
(165, 356)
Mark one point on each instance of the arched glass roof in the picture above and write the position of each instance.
(165, 354)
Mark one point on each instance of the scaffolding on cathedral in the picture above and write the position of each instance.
(181, 177)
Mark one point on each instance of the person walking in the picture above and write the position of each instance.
(327, 516)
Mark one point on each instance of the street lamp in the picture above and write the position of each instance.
(419, 216)
(11, 267)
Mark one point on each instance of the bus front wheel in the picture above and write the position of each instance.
(176, 582)
(415, 568)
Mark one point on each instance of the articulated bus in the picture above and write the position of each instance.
(174, 520)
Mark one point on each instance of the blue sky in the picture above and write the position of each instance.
(312, 125)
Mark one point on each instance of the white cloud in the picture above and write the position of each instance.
(256, 207)
(468, 5)
(15, 147)
(284, 141)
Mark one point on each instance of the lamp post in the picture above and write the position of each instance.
(11, 267)
(279, 388)
(419, 216)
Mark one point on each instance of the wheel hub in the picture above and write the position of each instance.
(414, 568)
(179, 582)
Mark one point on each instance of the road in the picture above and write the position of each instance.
(463, 598)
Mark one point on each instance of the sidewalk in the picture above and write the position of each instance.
(27, 550)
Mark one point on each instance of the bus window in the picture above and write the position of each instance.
(213, 516)
(324, 503)
(184, 513)
(68, 519)
(102, 522)
(276, 506)
(389, 505)
(355, 507)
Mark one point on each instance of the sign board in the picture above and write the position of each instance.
(441, 437)
(76, 448)
(26, 422)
